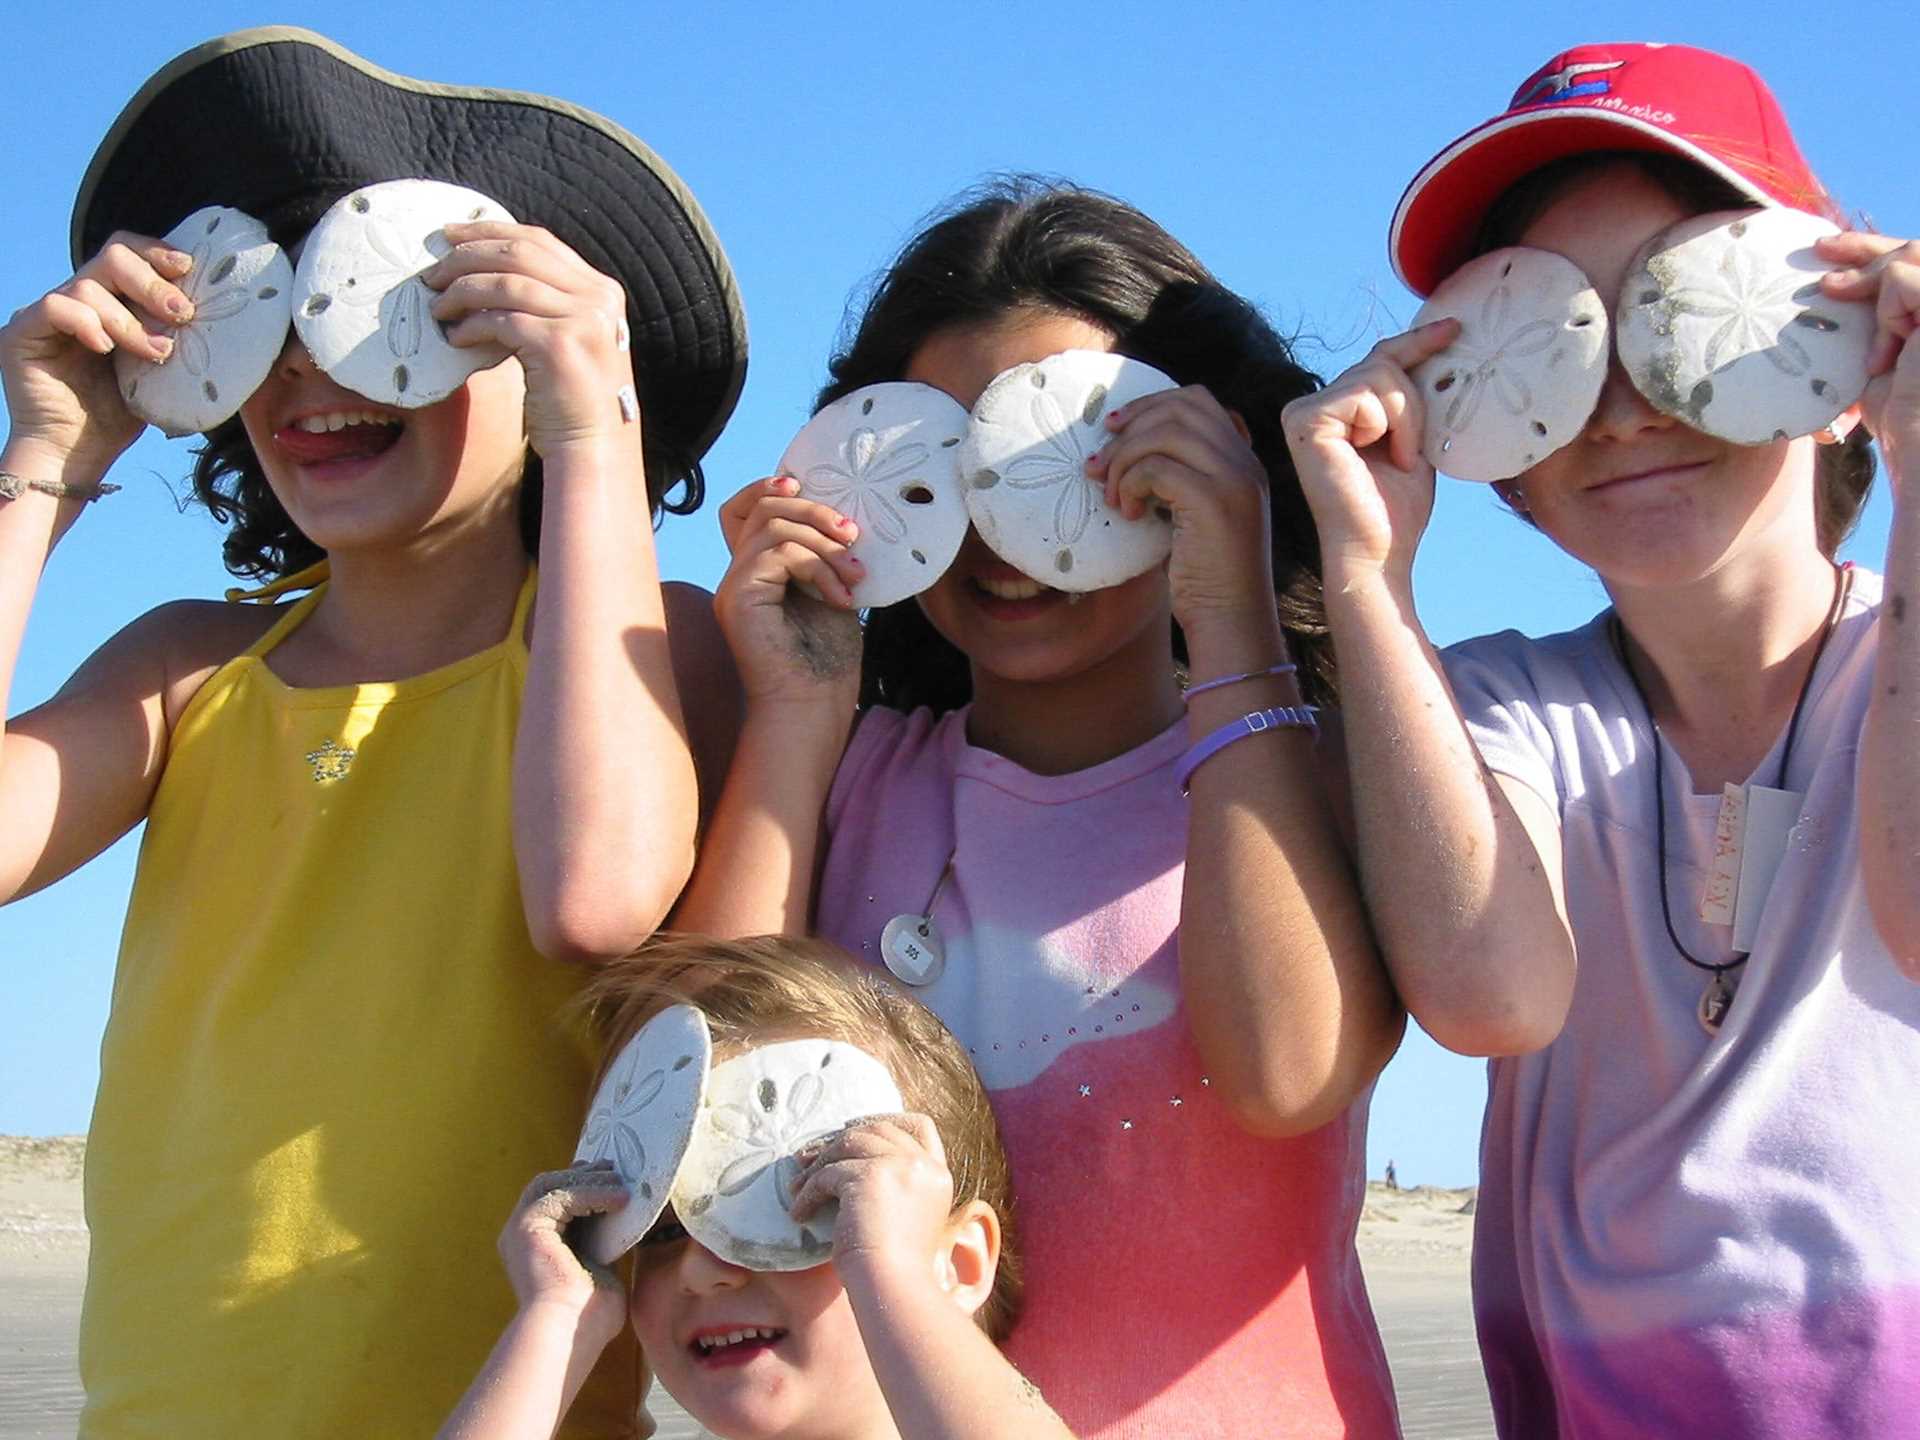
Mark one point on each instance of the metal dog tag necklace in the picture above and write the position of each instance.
(1724, 979)
(910, 944)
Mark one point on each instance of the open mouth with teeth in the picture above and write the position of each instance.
(1014, 597)
(339, 435)
(735, 1346)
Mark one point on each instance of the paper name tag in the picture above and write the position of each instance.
(1771, 815)
(1723, 873)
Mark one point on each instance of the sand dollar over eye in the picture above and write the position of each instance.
(1722, 324)
(1023, 471)
(642, 1119)
(241, 287)
(1525, 373)
(359, 303)
(888, 457)
(742, 1169)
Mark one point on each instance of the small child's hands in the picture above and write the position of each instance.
(1356, 446)
(543, 1268)
(1885, 272)
(56, 354)
(787, 643)
(1183, 451)
(522, 288)
(889, 1173)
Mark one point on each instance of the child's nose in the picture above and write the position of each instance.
(294, 361)
(1623, 412)
(702, 1272)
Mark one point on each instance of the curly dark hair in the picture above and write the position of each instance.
(1022, 242)
(263, 543)
(1843, 473)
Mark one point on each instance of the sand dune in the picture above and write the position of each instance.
(1414, 1244)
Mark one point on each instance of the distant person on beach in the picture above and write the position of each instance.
(368, 812)
(893, 1336)
(1393, 1179)
(1695, 1217)
(1174, 1001)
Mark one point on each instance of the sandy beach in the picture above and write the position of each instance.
(1414, 1244)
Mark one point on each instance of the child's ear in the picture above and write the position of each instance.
(971, 1256)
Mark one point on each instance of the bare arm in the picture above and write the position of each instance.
(943, 1378)
(603, 786)
(1284, 989)
(78, 772)
(1889, 781)
(916, 1269)
(567, 1314)
(799, 663)
(605, 800)
(1462, 878)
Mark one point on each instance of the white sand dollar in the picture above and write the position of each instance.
(1024, 471)
(241, 286)
(740, 1173)
(888, 457)
(1722, 325)
(1525, 373)
(642, 1118)
(360, 305)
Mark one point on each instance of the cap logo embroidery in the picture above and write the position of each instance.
(1569, 82)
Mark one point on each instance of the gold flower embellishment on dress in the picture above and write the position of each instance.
(331, 762)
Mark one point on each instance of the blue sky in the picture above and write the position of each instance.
(1273, 139)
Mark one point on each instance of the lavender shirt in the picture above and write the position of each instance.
(1681, 1234)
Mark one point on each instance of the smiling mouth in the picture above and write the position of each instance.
(339, 435)
(742, 1342)
(1016, 588)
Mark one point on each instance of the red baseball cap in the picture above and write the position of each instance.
(1671, 98)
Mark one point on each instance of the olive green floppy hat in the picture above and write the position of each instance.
(280, 122)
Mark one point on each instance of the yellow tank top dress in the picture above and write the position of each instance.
(333, 1061)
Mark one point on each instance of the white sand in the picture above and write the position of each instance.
(1414, 1244)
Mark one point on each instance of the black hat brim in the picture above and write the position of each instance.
(280, 122)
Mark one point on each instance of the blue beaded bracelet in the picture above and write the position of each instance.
(1300, 717)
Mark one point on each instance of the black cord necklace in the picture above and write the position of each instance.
(1717, 999)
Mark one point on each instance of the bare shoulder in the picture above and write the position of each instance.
(709, 686)
(173, 649)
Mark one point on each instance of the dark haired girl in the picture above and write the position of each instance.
(1174, 1002)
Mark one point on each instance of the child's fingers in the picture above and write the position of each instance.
(873, 1135)
(121, 327)
(589, 1174)
(61, 315)
(1855, 247)
(792, 562)
(790, 510)
(1358, 410)
(1172, 455)
(1885, 271)
(501, 290)
(738, 507)
(1410, 347)
(825, 1183)
(142, 270)
(1187, 425)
